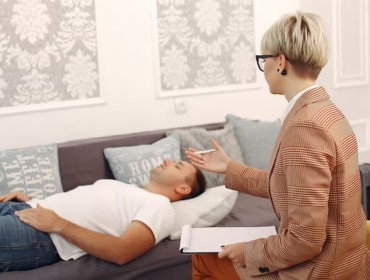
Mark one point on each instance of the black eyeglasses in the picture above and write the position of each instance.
(261, 60)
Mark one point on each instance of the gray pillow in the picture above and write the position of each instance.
(132, 164)
(32, 170)
(256, 139)
(200, 139)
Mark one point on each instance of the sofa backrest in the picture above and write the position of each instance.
(82, 162)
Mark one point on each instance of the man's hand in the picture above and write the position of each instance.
(19, 196)
(42, 219)
(235, 252)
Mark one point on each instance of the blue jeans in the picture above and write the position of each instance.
(22, 247)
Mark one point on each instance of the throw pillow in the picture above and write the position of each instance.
(205, 210)
(200, 139)
(132, 164)
(32, 170)
(256, 139)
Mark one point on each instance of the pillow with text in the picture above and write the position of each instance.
(132, 164)
(31, 170)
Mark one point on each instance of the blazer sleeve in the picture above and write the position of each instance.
(246, 179)
(307, 157)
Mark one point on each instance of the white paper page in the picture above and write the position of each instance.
(185, 236)
(210, 239)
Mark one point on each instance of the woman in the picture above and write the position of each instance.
(313, 181)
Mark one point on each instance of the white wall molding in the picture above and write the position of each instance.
(343, 49)
(361, 128)
(52, 106)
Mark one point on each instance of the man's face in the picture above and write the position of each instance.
(172, 173)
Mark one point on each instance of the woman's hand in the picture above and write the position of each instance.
(18, 196)
(235, 252)
(214, 162)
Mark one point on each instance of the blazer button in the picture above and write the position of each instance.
(263, 269)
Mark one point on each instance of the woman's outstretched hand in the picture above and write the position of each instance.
(214, 162)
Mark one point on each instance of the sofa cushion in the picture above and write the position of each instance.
(32, 170)
(200, 139)
(133, 164)
(256, 139)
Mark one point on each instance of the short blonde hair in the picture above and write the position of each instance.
(302, 38)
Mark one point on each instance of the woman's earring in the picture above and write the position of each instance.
(284, 72)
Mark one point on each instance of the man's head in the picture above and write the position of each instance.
(177, 180)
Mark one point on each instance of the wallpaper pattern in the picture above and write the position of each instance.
(48, 52)
(205, 44)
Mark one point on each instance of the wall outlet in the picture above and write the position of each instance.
(180, 106)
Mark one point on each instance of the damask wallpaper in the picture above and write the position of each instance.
(204, 45)
(48, 52)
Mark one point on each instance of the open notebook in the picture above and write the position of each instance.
(210, 239)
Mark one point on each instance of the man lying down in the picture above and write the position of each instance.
(110, 220)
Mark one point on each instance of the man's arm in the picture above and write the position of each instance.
(135, 241)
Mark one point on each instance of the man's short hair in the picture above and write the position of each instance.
(198, 186)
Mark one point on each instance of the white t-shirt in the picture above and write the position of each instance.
(109, 206)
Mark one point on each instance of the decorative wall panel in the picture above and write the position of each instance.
(204, 46)
(48, 54)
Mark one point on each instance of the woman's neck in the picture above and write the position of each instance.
(297, 86)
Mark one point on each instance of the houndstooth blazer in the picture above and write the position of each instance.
(314, 186)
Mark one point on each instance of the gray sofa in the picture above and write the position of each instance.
(82, 162)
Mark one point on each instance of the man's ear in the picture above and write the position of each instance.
(183, 189)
